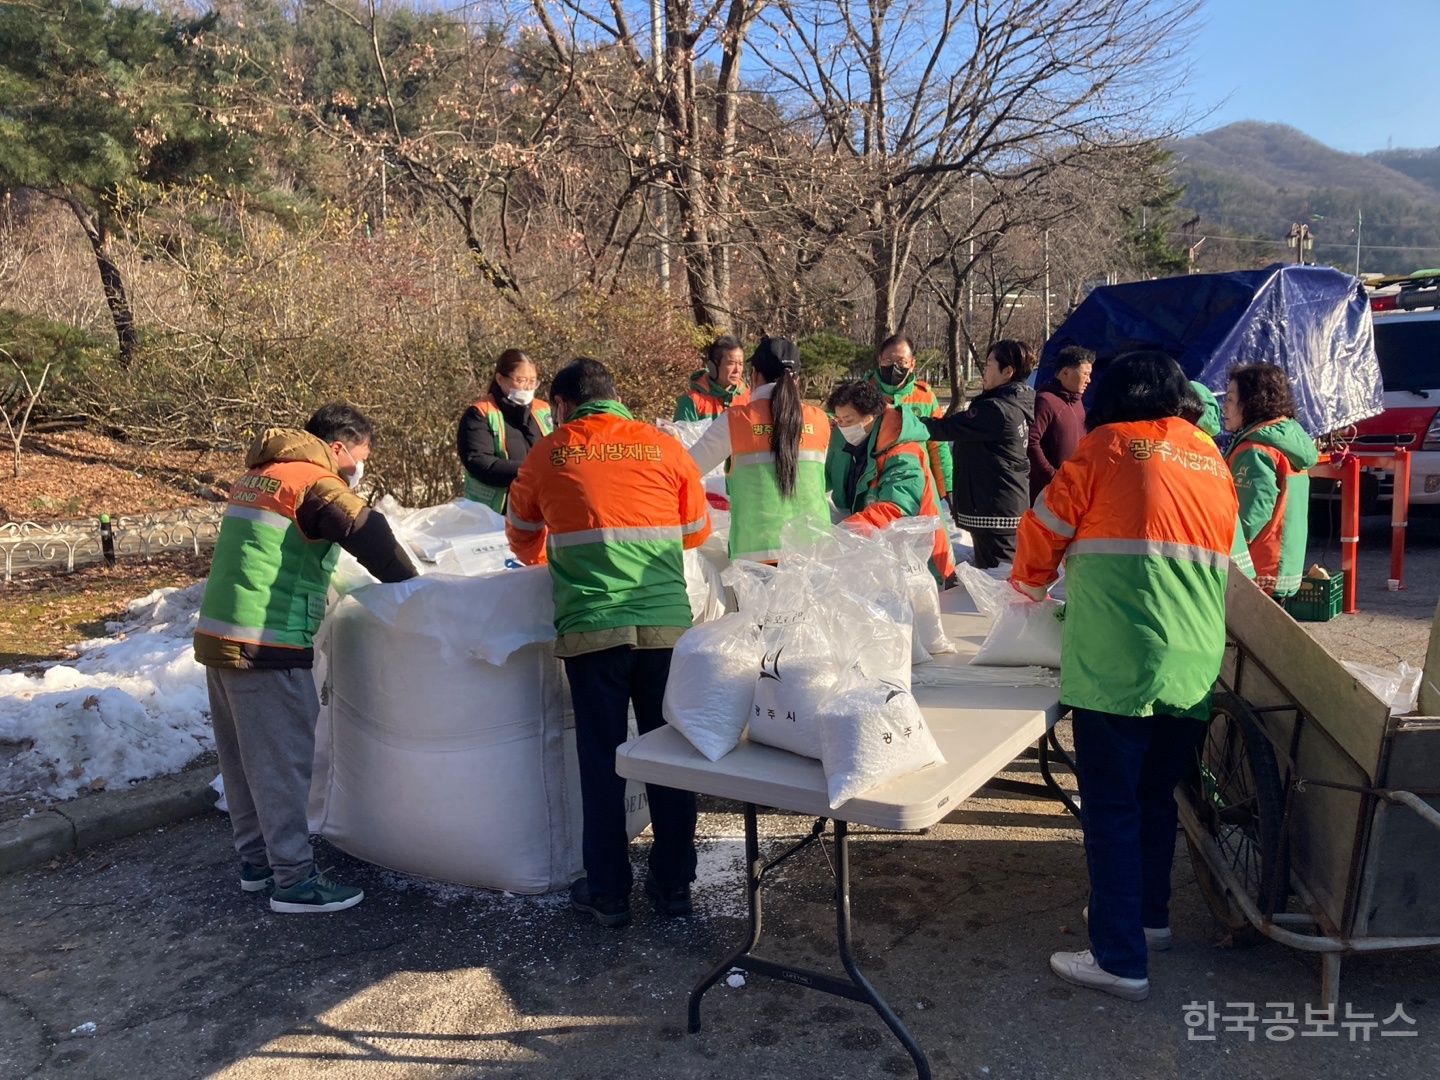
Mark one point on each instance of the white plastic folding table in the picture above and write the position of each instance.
(980, 729)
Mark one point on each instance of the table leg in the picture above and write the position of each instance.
(753, 874)
(854, 988)
(847, 957)
(1048, 745)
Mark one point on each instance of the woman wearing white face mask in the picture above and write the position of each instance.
(881, 472)
(497, 432)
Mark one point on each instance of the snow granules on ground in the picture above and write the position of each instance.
(128, 707)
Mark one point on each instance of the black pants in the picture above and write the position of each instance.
(602, 685)
(992, 548)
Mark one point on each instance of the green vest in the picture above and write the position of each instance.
(477, 491)
(268, 582)
(758, 512)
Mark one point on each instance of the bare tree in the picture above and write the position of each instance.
(913, 96)
(17, 405)
(698, 97)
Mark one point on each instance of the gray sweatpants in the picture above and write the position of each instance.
(264, 723)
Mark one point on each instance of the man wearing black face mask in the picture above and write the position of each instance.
(895, 378)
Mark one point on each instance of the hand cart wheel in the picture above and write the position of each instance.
(1239, 798)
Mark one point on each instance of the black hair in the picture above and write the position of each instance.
(717, 349)
(583, 379)
(900, 337)
(862, 395)
(1192, 408)
(1264, 391)
(1145, 385)
(342, 423)
(1016, 355)
(509, 362)
(1073, 356)
(776, 359)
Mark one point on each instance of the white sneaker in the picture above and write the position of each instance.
(1157, 938)
(1080, 968)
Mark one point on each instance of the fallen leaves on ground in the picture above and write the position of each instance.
(77, 474)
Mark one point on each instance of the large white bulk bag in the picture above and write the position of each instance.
(446, 742)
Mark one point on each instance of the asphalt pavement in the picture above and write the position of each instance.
(143, 957)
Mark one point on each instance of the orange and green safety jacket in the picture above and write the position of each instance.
(707, 399)
(915, 396)
(1269, 463)
(270, 573)
(478, 490)
(894, 482)
(1144, 516)
(758, 512)
(611, 504)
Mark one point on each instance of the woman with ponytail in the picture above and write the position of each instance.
(777, 446)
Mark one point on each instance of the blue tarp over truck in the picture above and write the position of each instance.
(1312, 321)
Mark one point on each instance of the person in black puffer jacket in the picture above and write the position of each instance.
(992, 466)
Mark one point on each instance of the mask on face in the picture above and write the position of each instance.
(520, 397)
(893, 375)
(854, 434)
(354, 478)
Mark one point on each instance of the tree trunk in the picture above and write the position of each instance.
(955, 356)
(112, 282)
(690, 180)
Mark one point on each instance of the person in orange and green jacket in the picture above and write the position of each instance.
(717, 386)
(894, 376)
(611, 505)
(263, 602)
(777, 446)
(1269, 457)
(498, 430)
(1143, 516)
(878, 471)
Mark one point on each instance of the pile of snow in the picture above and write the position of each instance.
(130, 706)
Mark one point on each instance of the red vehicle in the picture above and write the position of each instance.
(1406, 315)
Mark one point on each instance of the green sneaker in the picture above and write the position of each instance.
(255, 878)
(316, 894)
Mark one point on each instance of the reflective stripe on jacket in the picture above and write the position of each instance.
(1269, 463)
(268, 581)
(896, 482)
(758, 512)
(478, 490)
(1144, 516)
(611, 504)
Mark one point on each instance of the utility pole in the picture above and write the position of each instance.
(1047, 284)
(1359, 224)
(661, 204)
(1299, 238)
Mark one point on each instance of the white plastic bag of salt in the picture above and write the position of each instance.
(1025, 633)
(871, 732)
(712, 683)
(797, 668)
(913, 539)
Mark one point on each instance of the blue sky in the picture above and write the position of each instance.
(1338, 70)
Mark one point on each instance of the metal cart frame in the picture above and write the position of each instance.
(1310, 789)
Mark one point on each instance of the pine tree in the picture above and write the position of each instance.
(102, 107)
